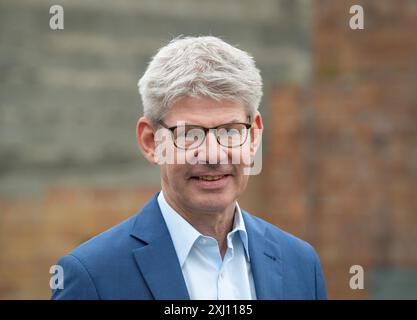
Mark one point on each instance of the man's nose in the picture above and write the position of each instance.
(210, 151)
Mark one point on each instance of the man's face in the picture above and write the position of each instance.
(207, 186)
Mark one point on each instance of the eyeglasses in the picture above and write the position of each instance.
(230, 135)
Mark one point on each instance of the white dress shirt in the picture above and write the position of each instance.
(206, 275)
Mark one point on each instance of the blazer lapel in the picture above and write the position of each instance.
(265, 260)
(157, 259)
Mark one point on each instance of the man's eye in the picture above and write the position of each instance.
(185, 131)
(194, 135)
(233, 131)
(228, 131)
(193, 132)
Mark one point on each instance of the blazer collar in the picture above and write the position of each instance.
(157, 259)
(159, 265)
(266, 260)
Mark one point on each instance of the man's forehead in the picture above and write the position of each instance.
(207, 112)
(209, 121)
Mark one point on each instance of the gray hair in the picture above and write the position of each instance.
(199, 66)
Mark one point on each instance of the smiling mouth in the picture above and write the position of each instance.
(211, 182)
(210, 177)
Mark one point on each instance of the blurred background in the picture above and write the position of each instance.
(339, 106)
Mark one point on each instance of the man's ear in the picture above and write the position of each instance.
(145, 136)
(256, 133)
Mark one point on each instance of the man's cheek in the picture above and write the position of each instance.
(240, 156)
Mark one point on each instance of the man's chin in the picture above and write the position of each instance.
(211, 203)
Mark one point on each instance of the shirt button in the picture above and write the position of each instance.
(203, 241)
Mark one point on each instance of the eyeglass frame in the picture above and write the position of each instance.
(248, 126)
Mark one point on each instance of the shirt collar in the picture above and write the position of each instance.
(183, 234)
(239, 226)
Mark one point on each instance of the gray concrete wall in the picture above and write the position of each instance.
(68, 99)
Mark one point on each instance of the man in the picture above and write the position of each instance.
(192, 240)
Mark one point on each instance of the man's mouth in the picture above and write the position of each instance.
(217, 181)
(211, 178)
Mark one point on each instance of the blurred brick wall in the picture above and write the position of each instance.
(342, 163)
(339, 152)
(69, 162)
(69, 101)
(34, 234)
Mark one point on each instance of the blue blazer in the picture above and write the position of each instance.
(137, 260)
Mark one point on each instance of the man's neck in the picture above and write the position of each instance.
(213, 224)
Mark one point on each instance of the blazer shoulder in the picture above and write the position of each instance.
(77, 283)
(107, 246)
(299, 257)
(287, 242)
